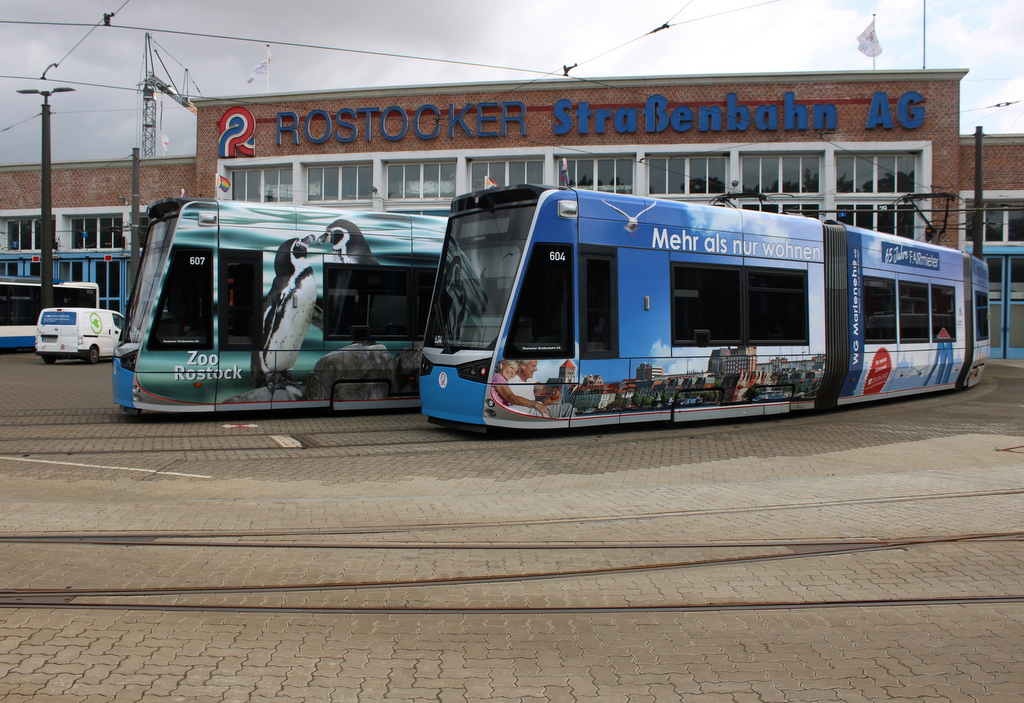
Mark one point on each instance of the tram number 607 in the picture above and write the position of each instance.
(197, 260)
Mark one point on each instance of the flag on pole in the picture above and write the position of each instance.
(165, 142)
(223, 183)
(565, 171)
(489, 182)
(262, 69)
(867, 42)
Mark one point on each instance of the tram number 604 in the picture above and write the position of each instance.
(556, 255)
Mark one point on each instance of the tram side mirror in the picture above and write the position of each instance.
(361, 333)
(702, 337)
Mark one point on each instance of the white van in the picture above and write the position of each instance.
(77, 333)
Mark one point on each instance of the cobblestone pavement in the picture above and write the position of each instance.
(868, 554)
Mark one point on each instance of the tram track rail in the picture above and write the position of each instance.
(797, 549)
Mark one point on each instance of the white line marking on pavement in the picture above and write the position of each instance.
(100, 466)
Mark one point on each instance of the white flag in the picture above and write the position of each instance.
(261, 70)
(165, 142)
(867, 42)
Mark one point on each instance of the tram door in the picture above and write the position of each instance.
(1006, 306)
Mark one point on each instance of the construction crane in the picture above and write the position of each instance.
(150, 85)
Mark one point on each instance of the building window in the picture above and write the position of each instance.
(785, 174)
(606, 175)
(270, 185)
(1003, 223)
(340, 182)
(686, 175)
(23, 234)
(505, 173)
(97, 232)
(412, 181)
(876, 174)
(881, 217)
(71, 270)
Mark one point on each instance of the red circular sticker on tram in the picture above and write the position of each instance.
(881, 367)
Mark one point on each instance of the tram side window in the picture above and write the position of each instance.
(377, 298)
(706, 299)
(776, 307)
(913, 312)
(184, 316)
(424, 289)
(240, 302)
(598, 327)
(542, 326)
(981, 316)
(880, 310)
(943, 313)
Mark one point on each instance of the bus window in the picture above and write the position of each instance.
(542, 326)
(706, 299)
(913, 312)
(375, 297)
(776, 307)
(981, 316)
(880, 310)
(240, 301)
(943, 313)
(599, 324)
(185, 312)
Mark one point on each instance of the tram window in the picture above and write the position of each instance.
(943, 313)
(424, 289)
(981, 316)
(880, 310)
(913, 312)
(240, 301)
(185, 314)
(706, 299)
(542, 326)
(598, 328)
(375, 297)
(776, 307)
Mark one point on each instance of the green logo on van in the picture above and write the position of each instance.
(96, 323)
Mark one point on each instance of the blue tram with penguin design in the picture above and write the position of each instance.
(243, 306)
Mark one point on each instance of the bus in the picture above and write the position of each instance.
(21, 301)
(560, 308)
(250, 306)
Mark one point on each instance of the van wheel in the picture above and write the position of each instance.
(49, 360)
(94, 355)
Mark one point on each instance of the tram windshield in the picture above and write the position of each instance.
(482, 253)
(145, 294)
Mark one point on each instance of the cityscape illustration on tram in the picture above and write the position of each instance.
(242, 306)
(571, 308)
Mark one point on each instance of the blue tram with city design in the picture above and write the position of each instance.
(557, 308)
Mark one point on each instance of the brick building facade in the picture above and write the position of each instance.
(849, 146)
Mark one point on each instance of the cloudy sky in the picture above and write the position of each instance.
(331, 44)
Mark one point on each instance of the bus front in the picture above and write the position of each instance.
(486, 242)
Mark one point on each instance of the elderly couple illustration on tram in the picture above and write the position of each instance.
(513, 386)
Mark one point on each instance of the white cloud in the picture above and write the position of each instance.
(785, 36)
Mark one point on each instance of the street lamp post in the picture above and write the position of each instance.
(46, 245)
